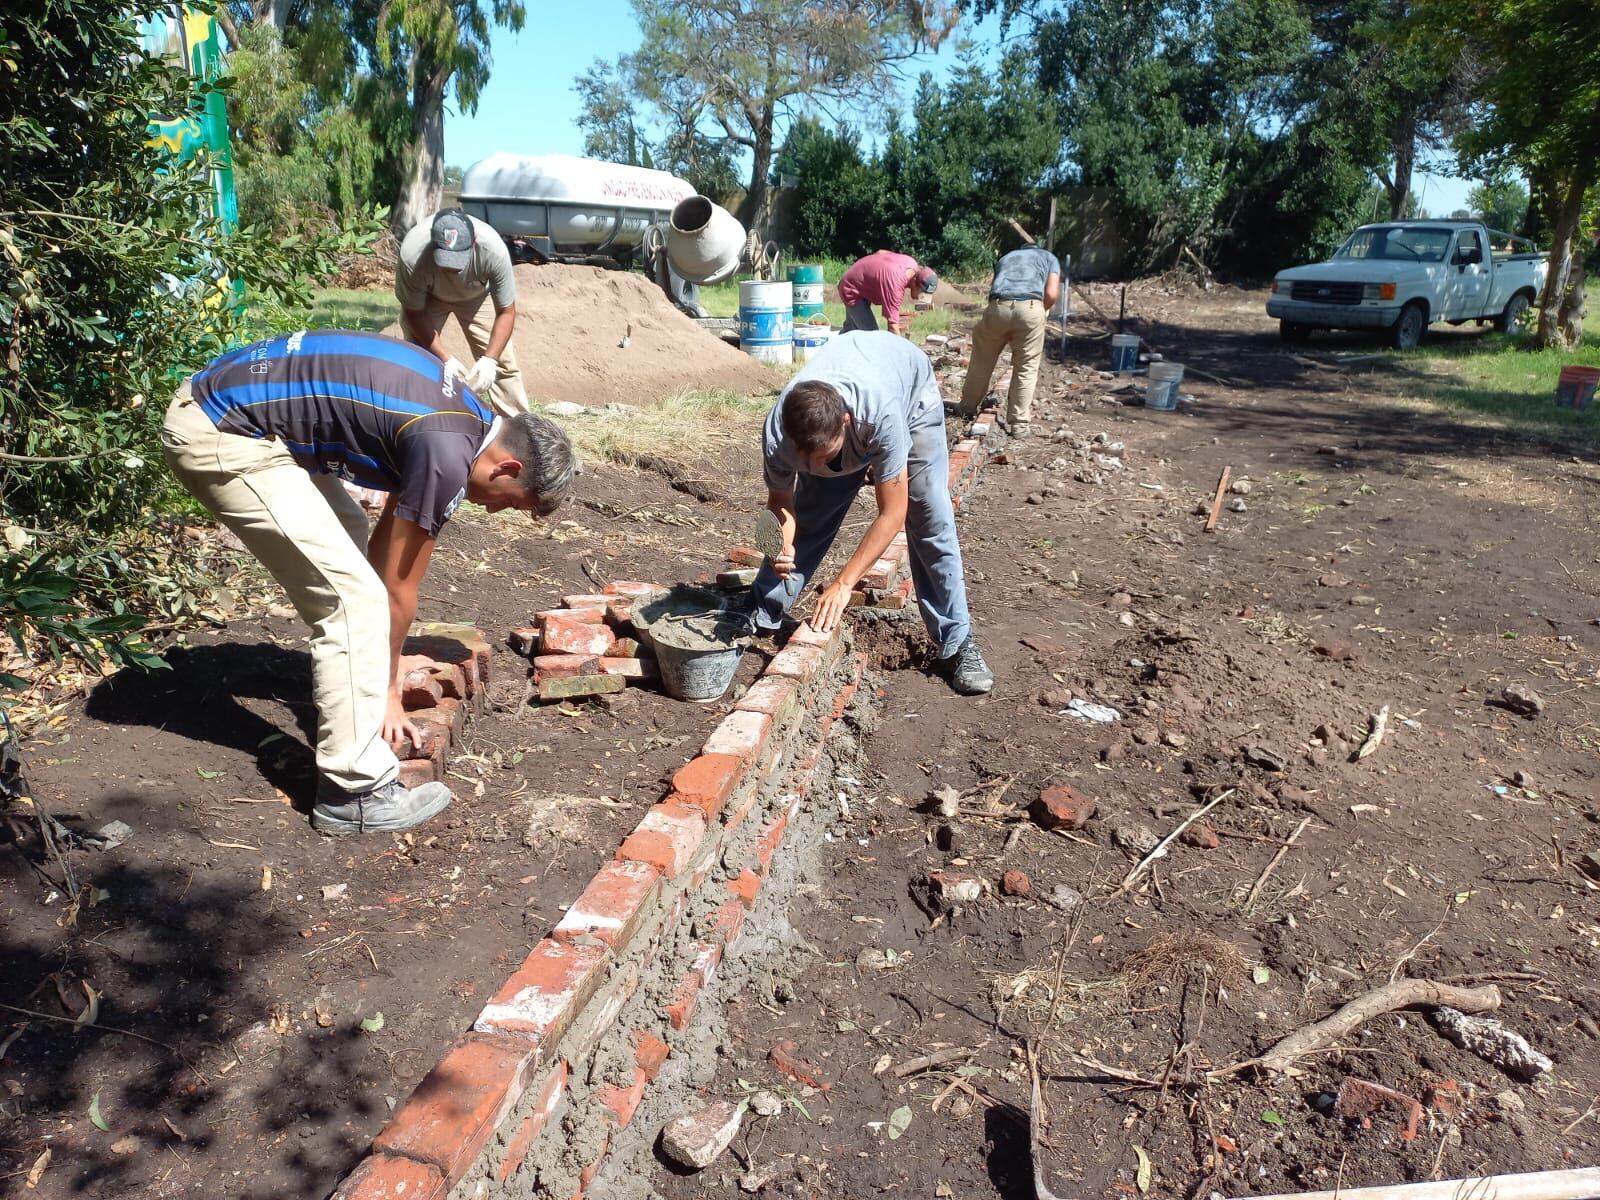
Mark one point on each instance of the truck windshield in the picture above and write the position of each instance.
(1397, 243)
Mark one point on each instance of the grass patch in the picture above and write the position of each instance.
(687, 424)
(1495, 379)
(346, 308)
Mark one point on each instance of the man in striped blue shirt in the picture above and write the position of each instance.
(266, 436)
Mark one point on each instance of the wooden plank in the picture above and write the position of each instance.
(1015, 224)
(1216, 501)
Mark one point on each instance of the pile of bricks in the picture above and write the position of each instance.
(444, 668)
(584, 647)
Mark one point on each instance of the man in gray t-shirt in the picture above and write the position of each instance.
(453, 265)
(1027, 284)
(867, 409)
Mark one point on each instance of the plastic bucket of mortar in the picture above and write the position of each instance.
(808, 339)
(1578, 387)
(807, 282)
(766, 320)
(697, 638)
(1124, 352)
(1162, 392)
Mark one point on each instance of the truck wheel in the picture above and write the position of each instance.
(1293, 333)
(1507, 321)
(1406, 332)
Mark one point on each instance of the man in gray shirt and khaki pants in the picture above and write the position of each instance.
(1027, 284)
(453, 265)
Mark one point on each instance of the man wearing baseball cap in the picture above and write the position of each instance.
(883, 278)
(453, 265)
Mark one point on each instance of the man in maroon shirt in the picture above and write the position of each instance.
(883, 277)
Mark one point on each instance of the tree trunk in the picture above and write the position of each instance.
(423, 185)
(1561, 279)
(1541, 203)
(275, 12)
(1403, 142)
(1570, 320)
(753, 210)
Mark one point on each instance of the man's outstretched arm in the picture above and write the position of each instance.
(892, 498)
(399, 551)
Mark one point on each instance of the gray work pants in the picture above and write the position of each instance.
(859, 316)
(820, 505)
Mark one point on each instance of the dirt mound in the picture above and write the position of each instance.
(570, 325)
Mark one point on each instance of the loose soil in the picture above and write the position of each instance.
(1447, 561)
(571, 322)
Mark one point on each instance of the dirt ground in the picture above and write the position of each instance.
(1445, 561)
(1438, 563)
(571, 325)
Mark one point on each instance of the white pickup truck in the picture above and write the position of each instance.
(1400, 276)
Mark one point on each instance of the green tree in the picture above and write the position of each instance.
(1500, 204)
(111, 288)
(836, 194)
(1539, 121)
(728, 72)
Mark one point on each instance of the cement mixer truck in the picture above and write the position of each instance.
(560, 208)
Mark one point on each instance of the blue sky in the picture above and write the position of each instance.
(529, 106)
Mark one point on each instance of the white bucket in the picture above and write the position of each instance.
(808, 340)
(1162, 391)
(766, 320)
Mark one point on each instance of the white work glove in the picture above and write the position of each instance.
(454, 368)
(481, 377)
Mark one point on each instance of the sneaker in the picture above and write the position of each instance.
(967, 672)
(1018, 430)
(384, 809)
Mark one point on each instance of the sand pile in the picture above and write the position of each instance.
(571, 321)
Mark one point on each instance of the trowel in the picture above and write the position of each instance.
(769, 534)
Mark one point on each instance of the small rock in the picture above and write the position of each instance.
(1134, 840)
(1510, 1103)
(1240, 487)
(1035, 498)
(1016, 883)
(952, 890)
(1336, 650)
(695, 1140)
(874, 959)
(1586, 1025)
(1120, 600)
(1237, 505)
(1522, 779)
(946, 802)
(765, 1104)
(756, 1178)
(1171, 737)
(1126, 618)
(1333, 581)
(1362, 600)
(948, 839)
(1266, 758)
(1113, 752)
(1144, 735)
(112, 834)
(1522, 700)
(1201, 836)
(1065, 898)
(1062, 807)
(565, 408)
(1329, 450)
(334, 891)
(1202, 508)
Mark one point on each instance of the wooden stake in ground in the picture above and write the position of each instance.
(1216, 501)
(1026, 236)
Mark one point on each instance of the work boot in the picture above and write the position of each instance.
(1018, 430)
(385, 809)
(966, 671)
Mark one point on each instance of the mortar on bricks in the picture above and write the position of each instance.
(697, 637)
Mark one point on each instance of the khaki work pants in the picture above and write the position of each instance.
(476, 318)
(1019, 324)
(312, 536)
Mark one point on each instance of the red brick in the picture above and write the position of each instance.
(461, 645)
(1358, 1098)
(774, 695)
(625, 648)
(964, 447)
(741, 734)
(702, 970)
(1016, 883)
(382, 1177)
(650, 1053)
(805, 635)
(419, 689)
(796, 662)
(631, 587)
(1061, 807)
(610, 908)
(668, 838)
(588, 600)
(744, 556)
(785, 1058)
(624, 1101)
(524, 640)
(545, 1106)
(1201, 835)
(439, 727)
(728, 923)
(586, 1176)
(706, 781)
(594, 614)
(747, 887)
(1443, 1096)
(564, 666)
(459, 1104)
(884, 573)
(769, 841)
(565, 635)
(628, 667)
(560, 688)
(539, 1002)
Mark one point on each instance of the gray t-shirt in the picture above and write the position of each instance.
(487, 274)
(1024, 272)
(888, 389)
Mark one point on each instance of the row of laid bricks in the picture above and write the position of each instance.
(573, 983)
(562, 991)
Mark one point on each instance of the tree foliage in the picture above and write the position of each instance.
(113, 272)
(1501, 204)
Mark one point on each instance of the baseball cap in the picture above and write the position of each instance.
(452, 239)
(929, 279)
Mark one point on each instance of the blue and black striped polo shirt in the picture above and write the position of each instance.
(371, 409)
